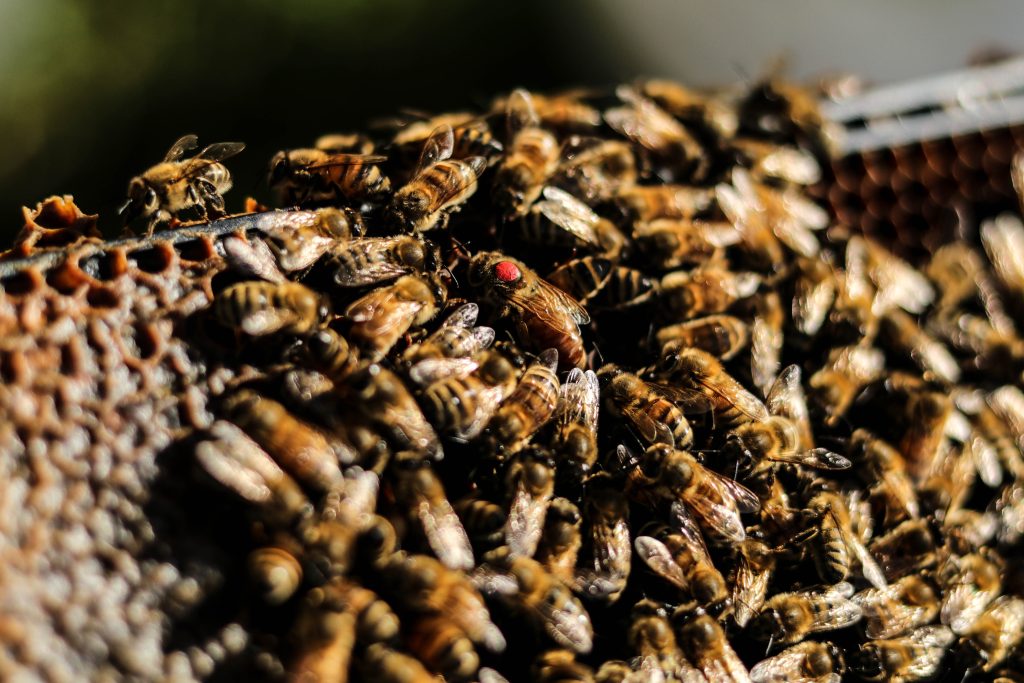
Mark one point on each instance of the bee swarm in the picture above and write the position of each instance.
(584, 388)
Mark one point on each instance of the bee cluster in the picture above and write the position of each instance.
(584, 388)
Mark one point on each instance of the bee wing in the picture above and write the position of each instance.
(733, 393)
(746, 501)
(787, 666)
(525, 522)
(445, 534)
(341, 159)
(898, 284)
(986, 461)
(547, 302)
(612, 550)
(371, 273)
(794, 165)
(567, 623)
(579, 399)
(657, 556)
(812, 300)
(868, 566)
(765, 344)
(488, 675)
(797, 236)
(439, 146)
(380, 312)
(182, 145)
(742, 285)
(836, 609)
(464, 316)
(962, 604)
(786, 397)
(266, 321)
(650, 429)
(719, 234)
(726, 666)
(431, 370)
(690, 401)
(521, 112)
(238, 463)
(750, 587)
(720, 516)
(570, 214)
(487, 402)
(253, 259)
(219, 151)
(885, 614)
(817, 458)
(361, 487)
(931, 643)
(686, 526)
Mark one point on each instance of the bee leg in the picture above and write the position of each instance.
(212, 202)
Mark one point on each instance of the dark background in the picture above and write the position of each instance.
(95, 91)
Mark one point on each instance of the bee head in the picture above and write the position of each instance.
(279, 169)
(142, 200)
(872, 663)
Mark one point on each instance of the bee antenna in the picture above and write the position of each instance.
(771, 639)
(597, 350)
(452, 276)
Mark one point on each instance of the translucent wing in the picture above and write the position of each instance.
(439, 146)
(219, 151)
(812, 300)
(817, 458)
(549, 304)
(750, 587)
(869, 567)
(650, 429)
(794, 165)
(520, 111)
(525, 521)
(657, 556)
(339, 160)
(786, 398)
(184, 144)
(690, 401)
(732, 393)
(837, 610)
(785, 667)
(266, 321)
(445, 534)
(570, 214)
(746, 501)
(375, 265)
(463, 316)
(487, 403)
(765, 347)
(686, 526)
(719, 516)
(431, 370)
(567, 623)
(887, 616)
(612, 550)
(931, 643)
(380, 312)
(579, 400)
(795, 235)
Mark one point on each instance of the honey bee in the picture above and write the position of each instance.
(529, 406)
(884, 470)
(316, 175)
(615, 671)
(778, 162)
(898, 608)
(788, 618)
(1010, 509)
(344, 143)
(693, 106)
(372, 260)
(786, 399)
(471, 136)
(778, 439)
(755, 563)
(236, 462)
(606, 511)
(560, 666)
(680, 556)
(596, 170)
(461, 407)
(419, 491)
(545, 316)
(330, 354)
(650, 635)
(439, 186)
(381, 663)
(969, 584)
(276, 572)
(531, 158)
(449, 350)
(905, 336)
(644, 204)
(908, 548)
(708, 289)
(814, 292)
(680, 242)
(560, 539)
(625, 288)
(723, 336)
(484, 522)
(332, 618)
(700, 376)
(565, 111)
(582, 278)
(383, 399)
(443, 647)
(380, 317)
(996, 633)
(301, 449)
(809, 662)
(927, 415)
(897, 284)
(645, 406)
(652, 129)
(713, 499)
(785, 111)
(836, 543)
(766, 339)
(914, 657)
(179, 187)
(1003, 240)
(531, 479)
(579, 400)
(524, 585)
(954, 268)
(422, 585)
(561, 220)
(260, 308)
(704, 643)
(838, 382)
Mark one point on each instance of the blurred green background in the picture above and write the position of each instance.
(94, 91)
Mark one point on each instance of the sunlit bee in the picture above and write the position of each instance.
(261, 308)
(562, 220)
(579, 401)
(178, 188)
(898, 608)
(705, 644)
(316, 175)
(439, 186)
(380, 317)
(723, 336)
(529, 406)
(681, 242)
(788, 618)
(706, 290)
(531, 158)
(809, 662)
(913, 657)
